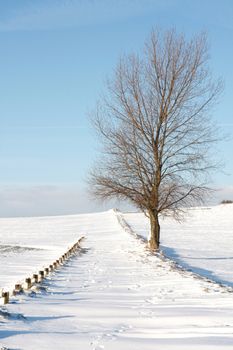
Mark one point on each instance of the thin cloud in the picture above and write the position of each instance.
(43, 200)
(42, 127)
(46, 200)
(43, 15)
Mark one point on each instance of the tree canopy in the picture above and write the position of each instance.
(156, 129)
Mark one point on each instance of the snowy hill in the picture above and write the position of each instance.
(202, 242)
(114, 294)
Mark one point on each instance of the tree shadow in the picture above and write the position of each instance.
(171, 253)
(10, 333)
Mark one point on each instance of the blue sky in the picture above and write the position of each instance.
(54, 58)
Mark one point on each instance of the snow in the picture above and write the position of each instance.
(202, 242)
(113, 294)
(29, 244)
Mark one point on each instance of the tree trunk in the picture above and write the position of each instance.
(155, 231)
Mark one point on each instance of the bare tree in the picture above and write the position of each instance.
(155, 128)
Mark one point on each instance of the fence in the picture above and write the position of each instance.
(38, 277)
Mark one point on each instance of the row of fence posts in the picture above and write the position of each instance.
(38, 277)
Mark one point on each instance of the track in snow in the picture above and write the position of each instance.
(115, 295)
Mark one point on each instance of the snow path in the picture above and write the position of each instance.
(115, 295)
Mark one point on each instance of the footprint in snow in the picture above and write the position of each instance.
(96, 343)
(107, 337)
(134, 287)
(123, 328)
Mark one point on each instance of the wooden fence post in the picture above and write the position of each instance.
(28, 282)
(36, 278)
(41, 275)
(6, 297)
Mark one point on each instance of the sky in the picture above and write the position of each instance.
(55, 56)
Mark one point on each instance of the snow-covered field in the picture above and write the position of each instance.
(202, 242)
(113, 294)
(29, 244)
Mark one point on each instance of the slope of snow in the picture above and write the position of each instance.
(114, 295)
(29, 244)
(202, 242)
